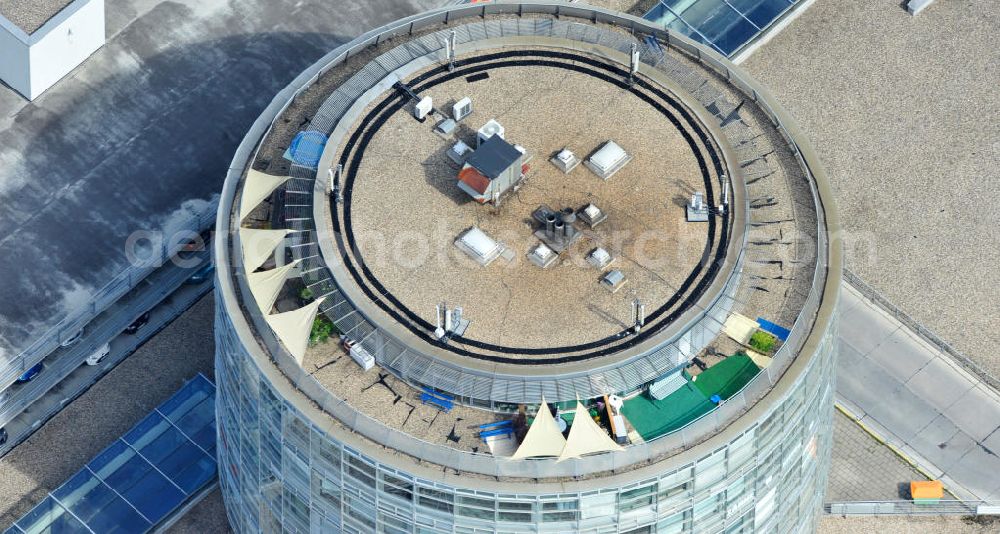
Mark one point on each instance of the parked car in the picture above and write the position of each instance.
(137, 324)
(30, 374)
(3, 436)
(99, 354)
(72, 339)
(202, 275)
(195, 244)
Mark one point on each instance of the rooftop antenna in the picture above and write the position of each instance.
(449, 47)
(639, 313)
(334, 186)
(440, 310)
(635, 62)
(725, 194)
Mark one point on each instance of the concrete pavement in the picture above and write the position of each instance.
(919, 399)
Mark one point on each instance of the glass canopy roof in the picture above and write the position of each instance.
(725, 25)
(142, 477)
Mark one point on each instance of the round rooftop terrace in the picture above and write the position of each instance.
(371, 228)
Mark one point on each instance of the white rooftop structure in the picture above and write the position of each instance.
(599, 258)
(479, 246)
(491, 128)
(43, 40)
(542, 255)
(608, 160)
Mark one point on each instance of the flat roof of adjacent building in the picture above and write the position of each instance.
(86, 165)
(30, 15)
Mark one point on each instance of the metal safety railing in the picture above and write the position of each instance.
(940, 507)
(377, 431)
(871, 294)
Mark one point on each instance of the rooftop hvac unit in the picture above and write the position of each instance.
(613, 281)
(488, 130)
(599, 258)
(462, 109)
(565, 160)
(697, 210)
(423, 108)
(542, 255)
(358, 353)
(592, 215)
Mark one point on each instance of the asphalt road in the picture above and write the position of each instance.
(142, 132)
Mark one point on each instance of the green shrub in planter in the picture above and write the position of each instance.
(763, 341)
(322, 329)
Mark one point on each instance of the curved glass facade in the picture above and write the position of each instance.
(281, 472)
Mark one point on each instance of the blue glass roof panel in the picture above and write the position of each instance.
(726, 25)
(137, 481)
(761, 12)
(178, 405)
(196, 418)
(51, 518)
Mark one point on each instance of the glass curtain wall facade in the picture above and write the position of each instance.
(280, 472)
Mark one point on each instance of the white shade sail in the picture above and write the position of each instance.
(543, 438)
(256, 188)
(266, 285)
(294, 327)
(259, 245)
(585, 437)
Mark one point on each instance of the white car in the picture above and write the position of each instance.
(99, 354)
(72, 339)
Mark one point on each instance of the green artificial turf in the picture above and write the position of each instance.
(653, 418)
(727, 377)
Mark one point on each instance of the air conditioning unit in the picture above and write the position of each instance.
(462, 109)
(488, 130)
(423, 108)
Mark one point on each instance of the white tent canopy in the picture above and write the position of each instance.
(293, 328)
(543, 438)
(256, 188)
(259, 245)
(266, 285)
(585, 437)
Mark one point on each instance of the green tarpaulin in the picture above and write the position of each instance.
(727, 377)
(653, 418)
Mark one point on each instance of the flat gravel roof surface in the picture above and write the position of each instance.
(142, 133)
(30, 15)
(902, 112)
(405, 229)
